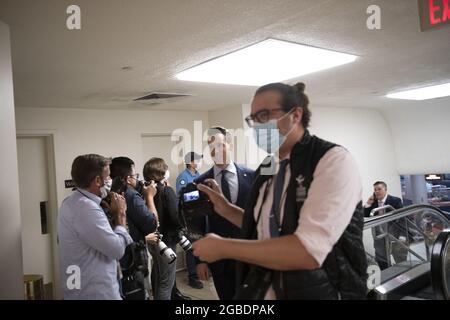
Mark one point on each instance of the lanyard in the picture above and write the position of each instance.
(266, 191)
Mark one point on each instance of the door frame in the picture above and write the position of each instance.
(48, 137)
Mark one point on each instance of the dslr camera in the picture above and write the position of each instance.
(119, 187)
(164, 251)
(184, 242)
(194, 202)
(140, 186)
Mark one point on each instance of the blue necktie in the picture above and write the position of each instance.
(276, 205)
(225, 186)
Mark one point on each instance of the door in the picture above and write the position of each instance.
(35, 209)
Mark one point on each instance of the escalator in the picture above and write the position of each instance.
(413, 246)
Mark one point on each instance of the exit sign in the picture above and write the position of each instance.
(433, 13)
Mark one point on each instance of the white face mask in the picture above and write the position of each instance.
(268, 137)
(106, 188)
(167, 175)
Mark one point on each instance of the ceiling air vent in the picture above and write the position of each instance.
(155, 96)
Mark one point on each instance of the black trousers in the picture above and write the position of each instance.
(224, 277)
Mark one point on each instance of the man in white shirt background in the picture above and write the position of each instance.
(381, 198)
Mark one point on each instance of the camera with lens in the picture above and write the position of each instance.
(164, 251)
(195, 202)
(140, 186)
(184, 242)
(118, 186)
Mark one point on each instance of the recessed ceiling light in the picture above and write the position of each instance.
(264, 62)
(442, 90)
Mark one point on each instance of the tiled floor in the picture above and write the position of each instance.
(207, 293)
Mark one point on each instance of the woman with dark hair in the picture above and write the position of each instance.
(166, 202)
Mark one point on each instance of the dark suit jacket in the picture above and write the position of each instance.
(395, 202)
(216, 223)
(398, 227)
(140, 220)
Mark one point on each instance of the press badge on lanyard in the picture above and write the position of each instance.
(301, 192)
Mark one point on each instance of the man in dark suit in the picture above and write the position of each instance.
(397, 228)
(235, 182)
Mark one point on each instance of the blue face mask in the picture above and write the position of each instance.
(268, 136)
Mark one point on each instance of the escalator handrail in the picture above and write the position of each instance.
(438, 260)
(401, 213)
(386, 207)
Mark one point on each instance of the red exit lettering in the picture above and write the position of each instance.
(439, 12)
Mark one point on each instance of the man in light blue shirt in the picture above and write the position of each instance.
(191, 159)
(89, 246)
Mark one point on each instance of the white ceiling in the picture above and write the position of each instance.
(58, 68)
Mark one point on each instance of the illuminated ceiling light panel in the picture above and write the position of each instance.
(432, 92)
(265, 62)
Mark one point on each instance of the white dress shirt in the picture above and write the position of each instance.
(232, 178)
(86, 240)
(333, 195)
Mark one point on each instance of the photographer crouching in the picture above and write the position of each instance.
(302, 227)
(86, 240)
(170, 231)
(142, 220)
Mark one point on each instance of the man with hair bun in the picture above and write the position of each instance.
(301, 230)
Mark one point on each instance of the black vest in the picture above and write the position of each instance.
(344, 271)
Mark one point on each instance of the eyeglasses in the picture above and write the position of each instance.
(135, 176)
(262, 116)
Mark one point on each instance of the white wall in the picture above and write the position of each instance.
(230, 117)
(109, 133)
(421, 136)
(364, 132)
(11, 272)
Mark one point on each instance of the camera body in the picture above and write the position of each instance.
(118, 186)
(195, 202)
(140, 186)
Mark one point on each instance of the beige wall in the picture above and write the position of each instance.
(421, 136)
(11, 272)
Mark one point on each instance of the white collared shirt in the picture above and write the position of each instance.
(333, 195)
(382, 202)
(232, 178)
(86, 240)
